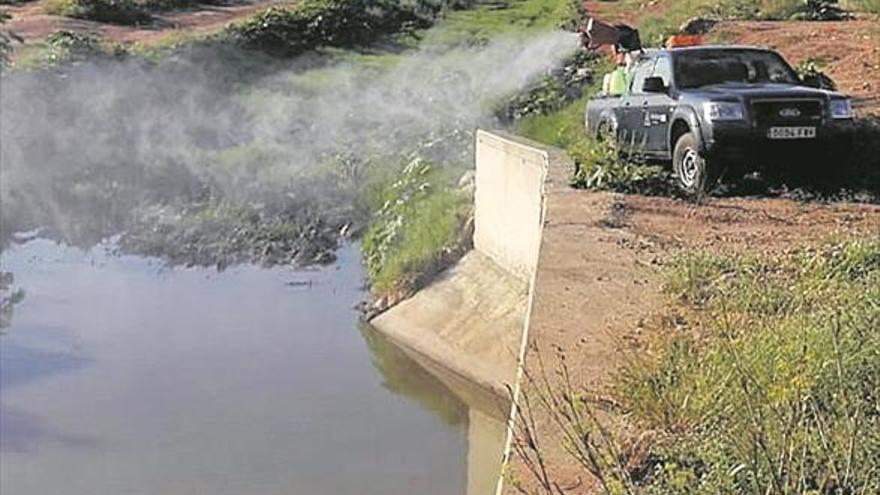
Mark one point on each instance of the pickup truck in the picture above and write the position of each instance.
(711, 110)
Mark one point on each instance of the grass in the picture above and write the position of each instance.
(776, 389)
(486, 20)
(768, 384)
(870, 6)
(418, 221)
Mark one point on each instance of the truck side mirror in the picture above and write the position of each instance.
(653, 85)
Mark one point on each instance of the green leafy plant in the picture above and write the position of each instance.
(600, 165)
(314, 23)
(811, 72)
(416, 229)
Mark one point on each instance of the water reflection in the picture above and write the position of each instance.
(121, 376)
(483, 413)
(404, 376)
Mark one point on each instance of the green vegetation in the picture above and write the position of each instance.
(223, 233)
(776, 390)
(486, 20)
(111, 11)
(811, 71)
(871, 6)
(5, 40)
(290, 30)
(417, 227)
(419, 218)
(768, 384)
(9, 297)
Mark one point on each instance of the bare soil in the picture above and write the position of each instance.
(851, 50)
(32, 24)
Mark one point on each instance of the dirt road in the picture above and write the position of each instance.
(31, 23)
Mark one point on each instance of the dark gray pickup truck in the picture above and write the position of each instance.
(711, 109)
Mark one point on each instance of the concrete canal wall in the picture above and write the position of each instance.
(470, 326)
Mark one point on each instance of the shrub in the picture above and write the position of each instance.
(812, 74)
(112, 11)
(601, 166)
(313, 23)
(5, 39)
(819, 10)
(416, 228)
(67, 45)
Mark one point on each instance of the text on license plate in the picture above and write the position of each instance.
(791, 132)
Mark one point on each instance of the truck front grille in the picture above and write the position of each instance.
(787, 112)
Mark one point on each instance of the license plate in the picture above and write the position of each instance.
(791, 133)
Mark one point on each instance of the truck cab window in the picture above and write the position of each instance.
(642, 71)
(663, 70)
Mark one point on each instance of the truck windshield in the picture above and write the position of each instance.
(697, 68)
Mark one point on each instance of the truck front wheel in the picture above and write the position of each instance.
(695, 174)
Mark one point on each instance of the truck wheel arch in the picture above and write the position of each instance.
(684, 120)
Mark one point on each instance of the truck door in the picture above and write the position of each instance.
(634, 136)
(657, 108)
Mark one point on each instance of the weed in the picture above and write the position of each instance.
(417, 223)
(600, 166)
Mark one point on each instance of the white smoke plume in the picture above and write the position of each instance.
(133, 132)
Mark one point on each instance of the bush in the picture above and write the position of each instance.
(289, 31)
(812, 74)
(416, 228)
(67, 45)
(112, 11)
(601, 166)
(5, 40)
(819, 10)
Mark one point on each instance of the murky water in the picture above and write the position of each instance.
(120, 376)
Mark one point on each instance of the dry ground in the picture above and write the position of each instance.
(850, 48)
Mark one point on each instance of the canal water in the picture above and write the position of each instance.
(122, 376)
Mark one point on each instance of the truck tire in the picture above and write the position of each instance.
(695, 174)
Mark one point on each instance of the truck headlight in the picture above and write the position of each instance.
(715, 110)
(841, 108)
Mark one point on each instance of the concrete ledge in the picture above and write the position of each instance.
(469, 321)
